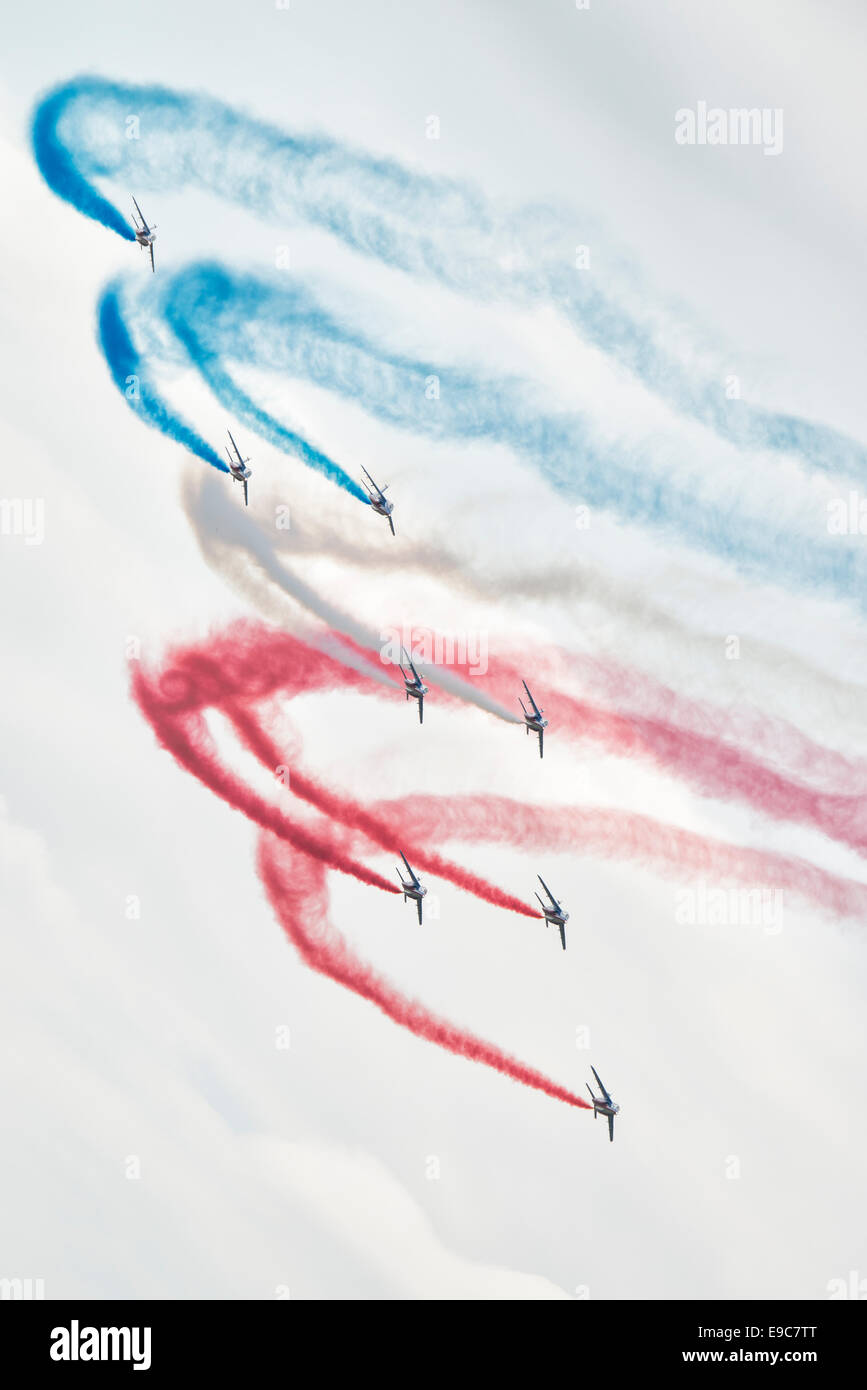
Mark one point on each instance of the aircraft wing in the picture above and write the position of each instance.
(415, 881)
(601, 1087)
(151, 249)
(391, 524)
(235, 447)
(563, 934)
(418, 905)
(380, 491)
(536, 709)
(245, 492)
(550, 894)
(611, 1128)
(144, 225)
(541, 736)
(421, 709)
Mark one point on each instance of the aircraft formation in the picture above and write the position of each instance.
(553, 912)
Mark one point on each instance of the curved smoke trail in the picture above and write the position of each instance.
(684, 738)
(297, 893)
(194, 680)
(624, 617)
(133, 380)
(439, 228)
(238, 670)
(234, 544)
(246, 667)
(279, 325)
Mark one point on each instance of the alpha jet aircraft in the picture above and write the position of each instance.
(603, 1105)
(413, 889)
(415, 689)
(376, 497)
(238, 466)
(144, 235)
(555, 913)
(534, 721)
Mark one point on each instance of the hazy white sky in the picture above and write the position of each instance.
(732, 1051)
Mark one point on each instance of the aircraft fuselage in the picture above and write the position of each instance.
(558, 919)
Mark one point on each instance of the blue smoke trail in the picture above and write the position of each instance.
(63, 172)
(208, 292)
(413, 222)
(130, 378)
(281, 327)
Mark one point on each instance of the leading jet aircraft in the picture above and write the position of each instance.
(603, 1105)
(377, 499)
(144, 235)
(555, 913)
(534, 721)
(238, 466)
(413, 889)
(415, 689)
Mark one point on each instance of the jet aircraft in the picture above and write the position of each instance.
(238, 466)
(555, 913)
(603, 1105)
(415, 688)
(144, 235)
(413, 889)
(534, 722)
(377, 498)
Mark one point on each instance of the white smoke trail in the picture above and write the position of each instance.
(236, 547)
(639, 635)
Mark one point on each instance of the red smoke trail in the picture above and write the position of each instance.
(190, 744)
(259, 663)
(774, 741)
(387, 834)
(709, 764)
(593, 832)
(250, 664)
(297, 893)
(291, 860)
